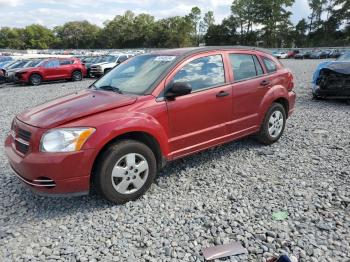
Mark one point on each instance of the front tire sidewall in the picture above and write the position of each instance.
(33, 82)
(103, 177)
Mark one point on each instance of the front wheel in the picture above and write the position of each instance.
(125, 171)
(273, 125)
(35, 79)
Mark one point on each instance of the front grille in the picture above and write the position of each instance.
(25, 135)
(22, 147)
(21, 137)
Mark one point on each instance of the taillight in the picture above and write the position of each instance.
(291, 82)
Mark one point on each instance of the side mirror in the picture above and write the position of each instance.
(178, 89)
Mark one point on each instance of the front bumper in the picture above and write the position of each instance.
(52, 173)
(331, 93)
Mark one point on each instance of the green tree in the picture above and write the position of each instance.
(222, 34)
(300, 33)
(11, 38)
(194, 18)
(38, 37)
(77, 34)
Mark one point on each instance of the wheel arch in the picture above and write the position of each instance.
(140, 136)
(284, 102)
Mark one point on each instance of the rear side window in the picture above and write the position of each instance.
(202, 73)
(52, 64)
(245, 66)
(66, 62)
(270, 65)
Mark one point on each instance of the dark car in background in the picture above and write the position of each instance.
(320, 54)
(51, 70)
(303, 55)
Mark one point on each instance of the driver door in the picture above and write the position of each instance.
(200, 119)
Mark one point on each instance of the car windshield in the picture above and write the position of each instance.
(34, 63)
(18, 64)
(345, 57)
(137, 75)
(111, 59)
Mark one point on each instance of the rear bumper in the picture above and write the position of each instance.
(52, 174)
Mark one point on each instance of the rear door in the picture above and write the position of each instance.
(249, 87)
(65, 68)
(199, 119)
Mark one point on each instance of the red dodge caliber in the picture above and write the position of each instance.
(151, 109)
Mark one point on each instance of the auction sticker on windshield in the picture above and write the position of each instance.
(165, 58)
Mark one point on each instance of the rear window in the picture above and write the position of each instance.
(270, 65)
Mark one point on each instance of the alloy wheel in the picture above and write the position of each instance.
(130, 173)
(275, 124)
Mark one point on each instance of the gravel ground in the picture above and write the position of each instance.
(224, 194)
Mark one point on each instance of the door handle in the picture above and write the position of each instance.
(265, 83)
(222, 94)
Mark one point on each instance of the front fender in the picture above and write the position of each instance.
(112, 124)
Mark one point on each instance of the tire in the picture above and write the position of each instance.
(35, 79)
(316, 97)
(77, 76)
(275, 116)
(117, 176)
(106, 70)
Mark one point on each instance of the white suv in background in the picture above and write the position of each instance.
(99, 69)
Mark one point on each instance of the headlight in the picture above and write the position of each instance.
(65, 139)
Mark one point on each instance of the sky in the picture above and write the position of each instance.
(19, 13)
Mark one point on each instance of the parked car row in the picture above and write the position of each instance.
(34, 71)
(313, 54)
(97, 66)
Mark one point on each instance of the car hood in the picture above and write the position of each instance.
(74, 106)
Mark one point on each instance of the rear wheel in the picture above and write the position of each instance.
(273, 125)
(35, 79)
(125, 171)
(77, 76)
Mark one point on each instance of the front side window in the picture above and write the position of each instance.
(270, 65)
(202, 73)
(245, 66)
(136, 75)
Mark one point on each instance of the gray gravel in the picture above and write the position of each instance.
(224, 194)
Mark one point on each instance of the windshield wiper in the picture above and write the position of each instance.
(111, 88)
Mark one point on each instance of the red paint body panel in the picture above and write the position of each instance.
(181, 126)
(51, 74)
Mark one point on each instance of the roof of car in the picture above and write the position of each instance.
(194, 50)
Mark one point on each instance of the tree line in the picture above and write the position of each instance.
(265, 23)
